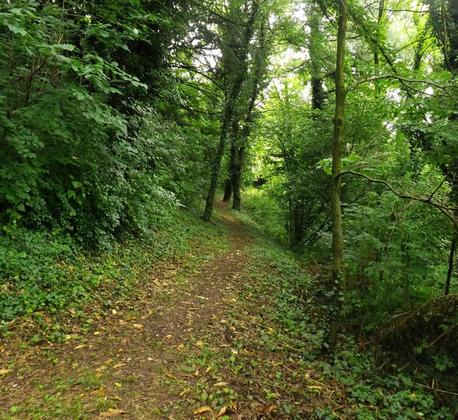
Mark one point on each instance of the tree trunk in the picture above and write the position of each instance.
(237, 181)
(239, 139)
(229, 110)
(381, 9)
(336, 209)
(318, 93)
(451, 264)
(227, 190)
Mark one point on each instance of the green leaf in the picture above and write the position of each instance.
(16, 29)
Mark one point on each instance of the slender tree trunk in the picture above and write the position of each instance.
(318, 93)
(227, 190)
(381, 9)
(451, 264)
(337, 144)
(229, 187)
(229, 110)
(215, 174)
(237, 181)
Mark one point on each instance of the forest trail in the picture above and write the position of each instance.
(126, 365)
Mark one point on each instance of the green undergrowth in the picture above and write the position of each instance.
(45, 274)
(265, 212)
(272, 365)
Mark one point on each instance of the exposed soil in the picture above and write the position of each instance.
(124, 365)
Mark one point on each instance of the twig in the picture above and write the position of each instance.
(436, 389)
(437, 189)
(443, 335)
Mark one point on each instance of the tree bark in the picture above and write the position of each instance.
(337, 143)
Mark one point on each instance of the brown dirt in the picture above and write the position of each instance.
(127, 363)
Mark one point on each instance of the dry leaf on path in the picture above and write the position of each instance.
(202, 410)
(111, 413)
(222, 412)
(220, 384)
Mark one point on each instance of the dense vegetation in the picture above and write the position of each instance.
(332, 123)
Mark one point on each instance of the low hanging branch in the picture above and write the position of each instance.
(445, 210)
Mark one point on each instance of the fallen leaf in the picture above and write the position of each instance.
(220, 384)
(202, 410)
(119, 365)
(111, 413)
(138, 326)
(267, 409)
(4, 371)
(222, 412)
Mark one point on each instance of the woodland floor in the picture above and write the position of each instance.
(149, 356)
(230, 330)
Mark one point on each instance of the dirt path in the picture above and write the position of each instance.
(127, 363)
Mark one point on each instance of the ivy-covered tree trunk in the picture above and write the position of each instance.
(318, 93)
(451, 265)
(237, 180)
(240, 140)
(337, 143)
(230, 108)
(228, 186)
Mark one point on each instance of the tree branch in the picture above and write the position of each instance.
(445, 210)
(407, 80)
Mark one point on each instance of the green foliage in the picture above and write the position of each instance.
(368, 390)
(75, 151)
(288, 149)
(386, 396)
(266, 212)
(47, 272)
(30, 266)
